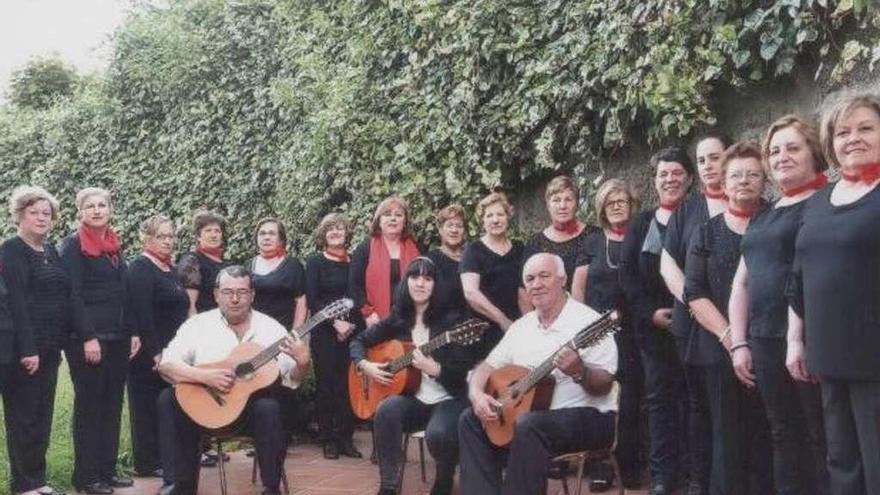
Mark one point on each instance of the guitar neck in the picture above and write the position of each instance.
(271, 351)
(427, 348)
(586, 337)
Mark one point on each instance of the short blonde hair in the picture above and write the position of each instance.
(449, 212)
(491, 199)
(329, 221)
(806, 129)
(87, 193)
(837, 111)
(150, 226)
(559, 184)
(385, 205)
(25, 196)
(608, 188)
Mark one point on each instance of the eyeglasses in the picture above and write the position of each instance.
(620, 203)
(751, 176)
(240, 293)
(165, 237)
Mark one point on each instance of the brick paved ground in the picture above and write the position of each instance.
(310, 474)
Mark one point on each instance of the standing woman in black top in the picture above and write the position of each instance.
(93, 257)
(200, 267)
(649, 308)
(157, 306)
(327, 281)
(741, 452)
(46, 311)
(616, 203)
(686, 220)
(835, 294)
(442, 393)
(565, 236)
(449, 296)
(491, 270)
(279, 279)
(378, 261)
(759, 311)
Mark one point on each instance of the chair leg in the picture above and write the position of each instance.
(616, 469)
(402, 467)
(221, 464)
(580, 475)
(284, 479)
(422, 458)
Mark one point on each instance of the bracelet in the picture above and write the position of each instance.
(738, 345)
(725, 334)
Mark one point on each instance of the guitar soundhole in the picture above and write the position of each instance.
(244, 370)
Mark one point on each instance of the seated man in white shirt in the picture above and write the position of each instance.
(209, 337)
(582, 411)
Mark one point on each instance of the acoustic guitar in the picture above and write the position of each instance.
(520, 389)
(254, 367)
(366, 394)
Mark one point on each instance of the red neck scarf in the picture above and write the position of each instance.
(378, 275)
(709, 193)
(209, 251)
(818, 183)
(95, 245)
(279, 252)
(746, 213)
(866, 174)
(337, 254)
(670, 206)
(165, 259)
(568, 228)
(618, 230)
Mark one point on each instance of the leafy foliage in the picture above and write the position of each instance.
(297, 107)
(41, 82)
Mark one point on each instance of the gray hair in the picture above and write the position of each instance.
(234, 271)
(538, 257)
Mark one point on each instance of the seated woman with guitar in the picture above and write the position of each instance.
(441, 395)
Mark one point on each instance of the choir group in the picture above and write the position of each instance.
(749, 330)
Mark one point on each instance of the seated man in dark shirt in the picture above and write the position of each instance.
(209, 337)
(582, 409)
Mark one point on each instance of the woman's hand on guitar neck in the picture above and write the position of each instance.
(375, 372)
(218, 379)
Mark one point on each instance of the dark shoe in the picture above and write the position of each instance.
(659, 488)
(51, 491)
(120, 482)
(631, 481)
(97, 488)
(331, 450)
(208, 460)
(387, 491)
(166, 489)
(602, 478)
(156, 473)
(348, 449)
(441, 487)
(271, 492)
(178, 489)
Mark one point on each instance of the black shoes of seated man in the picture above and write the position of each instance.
(97, 488)
(178, 489)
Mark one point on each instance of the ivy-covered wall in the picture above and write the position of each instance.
(297, 107)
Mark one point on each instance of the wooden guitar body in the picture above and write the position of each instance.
(214, 410)
(366, 394)
(500, 431)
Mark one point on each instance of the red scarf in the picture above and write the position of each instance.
(337, 254)
(818, 183)
(95, 245)
(378, 275)
(670, 206)
(618, 230)
(209, 251)
(714, 195)
(568, 228)
(741, 213)
(279, 252)
(866, 174)
(165, 259)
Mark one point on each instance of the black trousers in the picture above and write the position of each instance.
(852, 426)
(794, 410)
(97, 408)
(538, 437)
(262, 421)
(631, 379)
(741, 452)
(335, 418)
(401, 414)
(664, 394)
(28, 408)
(144, 387)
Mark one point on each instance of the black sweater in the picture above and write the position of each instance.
(157, 306)
(640, 272)
(101, 284)
(198, 272)
(46, 310)
(455, 360)
(7, 337)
